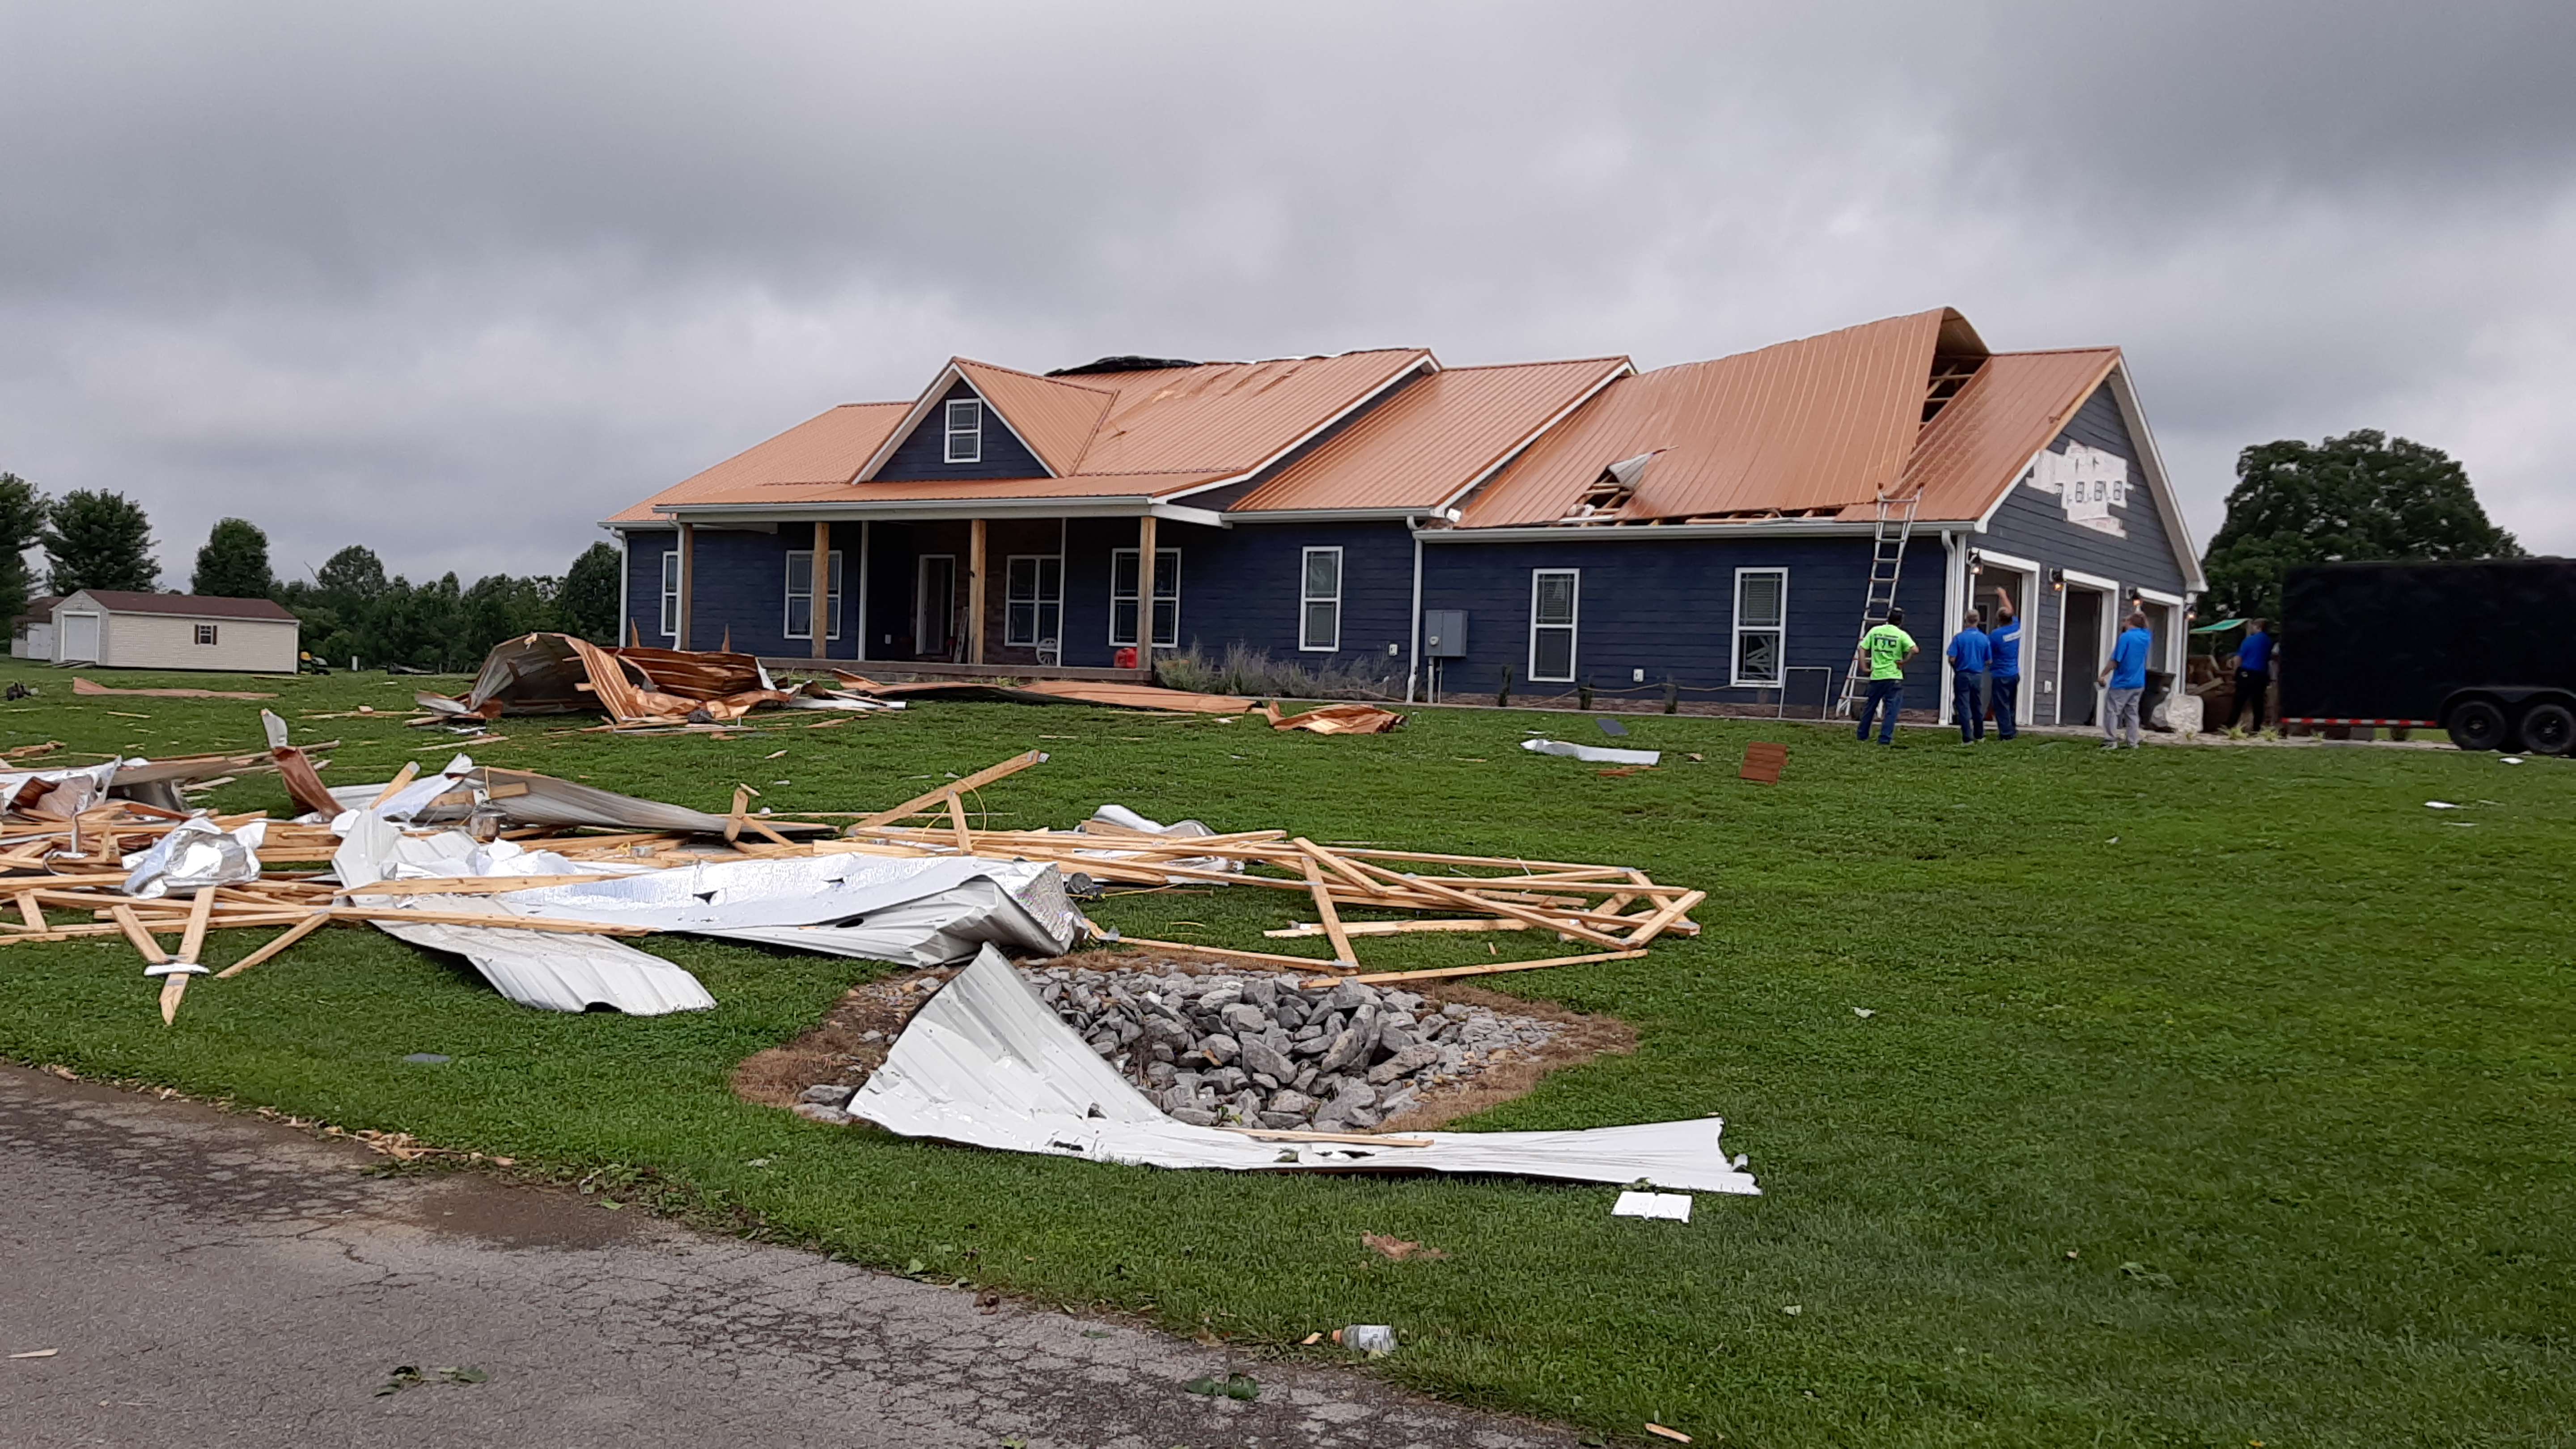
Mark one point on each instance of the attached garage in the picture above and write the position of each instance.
(119, 630)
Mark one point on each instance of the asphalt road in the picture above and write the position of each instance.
(211, 1280)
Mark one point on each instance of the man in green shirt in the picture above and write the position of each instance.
(1885, 649)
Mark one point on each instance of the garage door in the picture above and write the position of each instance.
(80, 638)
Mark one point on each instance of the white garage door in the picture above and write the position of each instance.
(80, 638)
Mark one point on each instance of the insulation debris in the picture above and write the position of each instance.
(196, 853)
(985, 1063)
(1593, 754)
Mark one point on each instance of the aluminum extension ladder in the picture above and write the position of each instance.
(1886, 561)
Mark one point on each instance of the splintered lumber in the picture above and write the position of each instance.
(1656, 923)
(470, 885)
(286, 938)
(174, 986)
(923, 802)
(1484, 968)
(404, 776)
(498, 922)
(28, 910)
(132, 926)
(1502, 908)
(1306, 929)
(1331, 918)
(1267, 958)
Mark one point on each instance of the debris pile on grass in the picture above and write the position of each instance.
(1271, 1051)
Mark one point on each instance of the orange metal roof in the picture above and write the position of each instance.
(1818, 427)
(1818, 423)
(1984, 437)
(1434, 437)
(1056, 419)
(824, 449)
(1227, 417)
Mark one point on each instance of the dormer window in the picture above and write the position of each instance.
(966, 431)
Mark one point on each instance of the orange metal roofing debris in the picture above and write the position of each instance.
(1435, 436)
(822, 450)
(1984, 437)
(1818, 423)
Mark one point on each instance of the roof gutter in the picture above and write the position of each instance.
(1649, 533)
(898, 509)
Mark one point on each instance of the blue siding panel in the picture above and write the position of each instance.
(923, 454)
(644, 550)
(1667, 607)
(2033, 525)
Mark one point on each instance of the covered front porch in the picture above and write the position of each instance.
(1071, 594)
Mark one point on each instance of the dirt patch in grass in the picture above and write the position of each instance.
(852, 1039)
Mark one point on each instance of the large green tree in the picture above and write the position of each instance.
(234, 562)
(98, 540)
(588, 599)
(2362, 496)
(22, 525)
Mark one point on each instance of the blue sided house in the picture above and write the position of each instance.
(1726, 529)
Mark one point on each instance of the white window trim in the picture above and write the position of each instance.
(1058, 599)
(1573, 627)
(1780, 652)
(670, 620)
(800, 583)
(1305, 601)
(1143, 598)
(950, 432)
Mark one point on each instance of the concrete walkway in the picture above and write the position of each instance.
(211, 1280)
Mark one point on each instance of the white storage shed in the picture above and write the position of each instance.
(120, 630)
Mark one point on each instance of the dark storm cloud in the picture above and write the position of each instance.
(395, 274)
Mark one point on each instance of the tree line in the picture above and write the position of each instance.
(350, 608)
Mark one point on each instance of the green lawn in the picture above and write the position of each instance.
(2212, 1096)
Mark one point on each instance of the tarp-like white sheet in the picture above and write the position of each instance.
(931, 911)
(984, 1062)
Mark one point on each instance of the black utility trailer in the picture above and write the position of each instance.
(2484, 650)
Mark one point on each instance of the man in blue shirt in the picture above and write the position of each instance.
(2003, 667)
(2126, 675)
(1967, 654)
(2253, 672)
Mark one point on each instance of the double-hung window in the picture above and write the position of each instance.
(800, 595)
(1319, 601)
(671, 592)
(1761, 625)
(965, 430)
(1553, 594)
(1166, 602)
(1033, 601)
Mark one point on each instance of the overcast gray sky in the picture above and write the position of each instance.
(457, 280)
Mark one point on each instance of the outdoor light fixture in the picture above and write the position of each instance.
(2057, 581)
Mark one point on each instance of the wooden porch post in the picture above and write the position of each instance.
(1145, 591)
(975, 592)
(688, 578)
(822, 584)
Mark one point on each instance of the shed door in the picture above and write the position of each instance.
(80, 638)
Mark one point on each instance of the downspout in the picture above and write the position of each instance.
(1953, 579)
(1413, 637)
